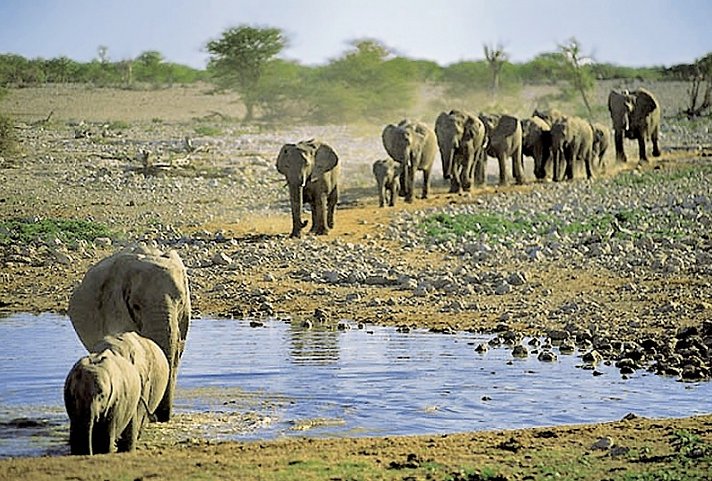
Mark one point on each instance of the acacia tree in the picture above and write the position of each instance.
(239, 57)
(496, 58)
(702, 74)
(580, 76)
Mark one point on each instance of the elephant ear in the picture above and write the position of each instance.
(441, 123)
(507, 126)
(325, 159)
(283, 159)
(391, 138)
(645, 102)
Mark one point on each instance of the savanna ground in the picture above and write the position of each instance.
(60, 176)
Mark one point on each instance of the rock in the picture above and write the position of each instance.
(603, 444)
(482, 348)
(517, 279)
(592, 357)
(503, 288)
(102, 242)
(520, 351)
(547, 356)
(221, 259)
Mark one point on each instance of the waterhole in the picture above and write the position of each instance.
(241, 381)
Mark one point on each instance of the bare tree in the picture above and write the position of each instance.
(580, 77)
(702, 75)
(496, 57)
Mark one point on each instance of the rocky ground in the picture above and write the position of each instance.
(619, 266)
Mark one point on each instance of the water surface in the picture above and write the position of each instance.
(296, 381)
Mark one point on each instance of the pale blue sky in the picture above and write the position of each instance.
(626, 32)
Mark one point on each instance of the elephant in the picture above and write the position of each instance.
(635, 115)
(601, 140)
(151, 363)
(102, 393)
(550, 116)
(461, 138)
(137, 289)
(414, 145)
(312, 170)
(572, 144)
(504, 139)
(108, 400)
(536, 143)
(387, 173)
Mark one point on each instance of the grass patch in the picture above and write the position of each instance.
(662, 176)
(443, 226)
(25, 231)
(208, 131)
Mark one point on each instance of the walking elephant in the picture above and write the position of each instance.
(110, 393)
(137, 289)
(601, 140)
(635, 115)
(504, 139)
(572, 144)
(536, 143)
(387, 173)
(312, 170)
(101, 394)
(414, 146)
(461, 138)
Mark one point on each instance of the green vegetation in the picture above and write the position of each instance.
(444, 226)
(26, 231)
(208, 131)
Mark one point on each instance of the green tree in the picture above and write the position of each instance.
(239, 57)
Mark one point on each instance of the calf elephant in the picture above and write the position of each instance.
(387, 173)
(536, 143)
(312, 170)
(601, 140)
(461, 138)
(572, 144)
(504, 139)
(635, 115)
(414, 146)
(101, 394)
(138, 289)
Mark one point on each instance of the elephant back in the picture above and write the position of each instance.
(101, 305)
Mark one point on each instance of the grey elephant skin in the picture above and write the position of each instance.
(110, 393)
(387, 174)
(138, 289)
(461, 138)
(572, 148)
(635, 115)
(504, 139)
(413, 145)
(601, 141)
(536, 143)
(312, 170)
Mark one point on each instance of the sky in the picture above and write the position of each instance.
(623, 32)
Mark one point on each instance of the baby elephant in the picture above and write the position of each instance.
(387, 172)
(110, 393)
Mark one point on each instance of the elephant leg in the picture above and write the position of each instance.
(654, 140)
(466, 178)
(333, 199)
(618, 140)
(479, 168)
(319, 209)
(641, 148)
(517, 167)
(127, 441)
(381, 194)
(503, 176)
(426, 183)
(80, 436)
(455, 183)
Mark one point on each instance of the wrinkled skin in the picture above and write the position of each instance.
(414, 146)
(101, 394)
(151, 364)
(635, 115)
(312, 172)
(536, 143)
(504, 139)
(601, 140)
(461, 139)
(572, 148)
(387, 173)
(137, 289)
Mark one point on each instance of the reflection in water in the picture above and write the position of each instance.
(372, 381)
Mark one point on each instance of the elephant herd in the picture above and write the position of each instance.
(562, 147)
(131, 312)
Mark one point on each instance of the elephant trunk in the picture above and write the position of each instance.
(447, 153)
(296, 199)
(408, 176)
